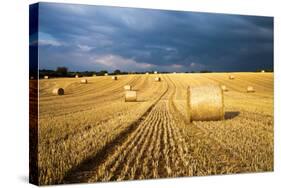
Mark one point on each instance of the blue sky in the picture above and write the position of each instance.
(93, 38)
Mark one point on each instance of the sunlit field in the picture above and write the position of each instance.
(91, 134)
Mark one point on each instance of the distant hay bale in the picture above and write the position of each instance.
(231, 77)
(114, 77)
(76, 76)
(224, 88)
(147, 73)
(262, 71)
(94, 75)
(130, 96)
(157, 79)
(58, 91)
(155, 72)
(205, 103)
(106, 74)
(127, 87)
(250, 89)
(46, 77)
(84, 81)
(174, 73)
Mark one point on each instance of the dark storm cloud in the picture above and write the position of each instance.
(85, 37)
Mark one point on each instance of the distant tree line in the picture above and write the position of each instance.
(266, 70)
(64, 72)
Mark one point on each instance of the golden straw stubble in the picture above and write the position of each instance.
(205, 103)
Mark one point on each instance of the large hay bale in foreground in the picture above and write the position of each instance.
(58, 91)
(231, 77)
(84, 81)
(114, 77)
(224, 88)
(46, 77)
(127, 87)
(205, 103)
(157, 79)
(250, 89)
(130, 96)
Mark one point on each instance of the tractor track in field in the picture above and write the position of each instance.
(91, 164)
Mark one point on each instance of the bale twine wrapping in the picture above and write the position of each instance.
(157, 79)
(205, 103)
(114, 77)
(231, 77)
(224, 88)
(130, 96)
(250, 89)
(84, 81)
(127, 87)
(46, 77)
(58, 91)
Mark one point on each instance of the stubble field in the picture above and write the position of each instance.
(91, 134)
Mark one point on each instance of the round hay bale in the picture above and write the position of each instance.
(262, 71)
(84, 81)
(157, 79)
(130, 96)
(76, 76)
(250, 89)
(155, 72)
(205, 103)
(127, 87)
(147, 73)
(114, 77)
(46, 77)
(224, 88)
(106, 74)
(94, 75)
(58, 91)
(231, 77)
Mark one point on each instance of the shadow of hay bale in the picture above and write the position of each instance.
(231, 115)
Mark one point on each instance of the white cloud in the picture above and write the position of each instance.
(46, 39)
(112, 62)
(84, 48)
(177, 66)
(46, 42)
